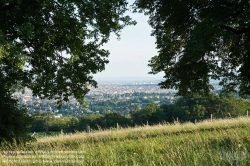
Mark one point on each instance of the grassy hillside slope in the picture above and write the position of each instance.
(221, 142)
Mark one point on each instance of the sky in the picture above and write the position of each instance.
(129, 56)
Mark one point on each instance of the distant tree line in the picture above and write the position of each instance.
(188, 108)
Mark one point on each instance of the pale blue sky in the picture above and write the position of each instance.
(129, 56)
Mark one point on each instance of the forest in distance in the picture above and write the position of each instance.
(184, 109)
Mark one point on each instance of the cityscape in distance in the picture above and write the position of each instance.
(121, 95)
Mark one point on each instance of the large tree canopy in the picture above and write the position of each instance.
(53, 46)
(198, 40)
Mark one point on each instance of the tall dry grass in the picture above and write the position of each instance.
(220, 142)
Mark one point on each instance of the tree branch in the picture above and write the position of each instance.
(236, 31)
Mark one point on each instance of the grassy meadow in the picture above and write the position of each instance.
(221, 142)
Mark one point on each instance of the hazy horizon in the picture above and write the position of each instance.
(129, 56)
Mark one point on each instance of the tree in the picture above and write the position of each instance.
(53, 47)
(151, 113)
(189, 108)
(110, 120)
(14, 121)
(198, 40)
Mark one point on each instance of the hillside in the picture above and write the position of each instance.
(221, 142)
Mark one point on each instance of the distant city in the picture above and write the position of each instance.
(119, 95)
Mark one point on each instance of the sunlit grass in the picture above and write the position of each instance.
(221, 142)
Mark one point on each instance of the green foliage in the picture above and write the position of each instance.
(53, 47)
(14, 121)
(198, 40)
(108, 120)
(151, 113)
(47, 122)
(231, 107)
(88, 120)
(189, 108)
(72, 125)
(111, 119)
(35, 37)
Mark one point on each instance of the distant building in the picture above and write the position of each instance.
(58, 116)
